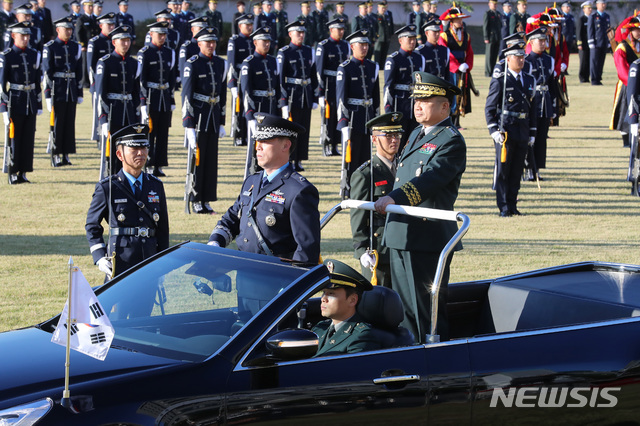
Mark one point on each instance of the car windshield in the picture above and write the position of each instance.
(188, 303)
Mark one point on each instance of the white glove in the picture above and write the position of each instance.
(532, 140)
(105, 129)
(191, 137)
(105, 266)
(285, 112)
(563, 67)
(497, 137)
(5, 117)
(222, 133)
(173, 107)
(345, 134)
(80, 100)
(252, 126)
(234, 92)
(321, 101)
(213, 243)
(39, 112)
(592, 46)
(367, 260)
(314, 106)
(463, 68)
(48, 102)
(143, 113)
(633, 129)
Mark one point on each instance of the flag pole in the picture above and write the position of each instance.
(66, 402)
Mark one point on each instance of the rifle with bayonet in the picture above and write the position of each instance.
(325, 113)
(235, 124)
(8, 143)
(193, 160)
(634, 163)
(345, 188)
(501, 148)
(51, 143)
(105, 149)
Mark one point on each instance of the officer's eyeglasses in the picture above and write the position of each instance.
(394, 135)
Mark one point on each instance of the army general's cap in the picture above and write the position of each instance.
(432, 25)
(23, 27)
(342, 275)
(11, 1)
(207, 34)
(272, 126)
(516, 49)
(24, 9)
(363, 4)
(213, 1)
(320, 1)
(159, 27)
(134, 136)
(123, 31)
(426, 85)
(247, 18)
(200, 21)
(387, 123)
(262, 33)
(337, 23)
(407, 31)
(66, 22)
(383, 3)
(360, 36)
(296, 26)
(538, 33)
(164, 13)
(107, 18)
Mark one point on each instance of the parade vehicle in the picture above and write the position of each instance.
(208, 336)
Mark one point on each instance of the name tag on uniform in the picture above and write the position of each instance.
(114, 75)
(427, 148)
(202, 75)
(382, 182)
(153, 62)
(120, 200)
(258, 72)
(274, 198)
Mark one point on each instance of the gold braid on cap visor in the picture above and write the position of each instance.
(421, 90)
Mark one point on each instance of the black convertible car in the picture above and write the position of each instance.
(208, 336)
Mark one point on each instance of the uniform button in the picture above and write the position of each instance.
(421, 162)
(245, 240)
(400, 165)
(144, 240)
(383, 192)
(424, 219)
(141, 219)
(375, 234)
(397, 179)
(249, 224)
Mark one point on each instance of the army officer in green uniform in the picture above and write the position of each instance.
(344, 331)
(429, 171)
(376, 175)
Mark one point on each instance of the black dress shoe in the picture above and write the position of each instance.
(334, 151)
(597, 83)
(56, 161)
(22, 178)
(516, 212)
(158, 172)
(65, 161)
(298, 167)
(505, 213)
(208, 208)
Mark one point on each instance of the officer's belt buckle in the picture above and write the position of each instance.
(143, 232)
(67, 75)
(22, 87)
(542, 88)
(205, 98)
(163, 86)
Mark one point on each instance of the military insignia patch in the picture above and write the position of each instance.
(156, 217)
(259, 118)
(274, 198)
(121, 217)
(330, 266)
(153, 197)
(427, 148)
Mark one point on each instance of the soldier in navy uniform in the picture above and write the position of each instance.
(429, 172)
(413, 15)
(377, 175)
(569, 26)
(190, 47)
(7, 18)
(436, 56)
(268, 19)
(125, 18)
(385, 29)
(598, 24)
(321, 18)
(117, 88)
(157, 83)
(187, 15)
(492, 32)
(25, 14)
(282, 20)
(358, 97)
(21, 99)
(98, 46)
(542, 68)
(511, 128)
(633, 102)
(505, 16)
(259, 87)
(277, 211)
(204, 98)
(344, 332)
(398, 78)
(134, 205)
(62, 69)
(240, 47)
(309, 23)
(214, 18)
(178, 22)
(86, 29)
(173, 36)
(298, 87)
(583, 42)
(330, 53)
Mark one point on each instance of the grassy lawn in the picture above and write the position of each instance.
(583, 211)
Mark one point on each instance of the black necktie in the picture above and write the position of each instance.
(265, 181)
(137, 186)
(519, 79)
(332, 331)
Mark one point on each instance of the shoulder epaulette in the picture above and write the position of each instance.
(152, 177)
(192, 59)
(364, 165)
(323, 42)
(453, 131)
(94, 38)
(49, 43)
(144, 48)
(394, 54)
(7, 50)
(345, 63)
(284, 48)
(104, 58)
(248, 58)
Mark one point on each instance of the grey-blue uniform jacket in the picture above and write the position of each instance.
(187, 50)
(436, 59)
(62, 69)
(298, 76)
(239, 48)
(157, 77)
(398, 79)
(126, 19)
(330, 53)
(357, 92)
(20, 88)
(542, 66)
(597, 26)
(260, 85)
(118, 89)
(285, 211)
(633, 92)
(98, 47)
(174, 39)
(139, 228)
(204, 92)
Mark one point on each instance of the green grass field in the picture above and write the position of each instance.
(584, 210)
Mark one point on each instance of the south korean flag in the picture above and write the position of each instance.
(91, 331)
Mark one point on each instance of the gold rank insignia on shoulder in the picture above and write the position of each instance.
(156, 217)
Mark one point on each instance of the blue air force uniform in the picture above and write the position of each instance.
(98, 47)
(238, 49)
(598, 24)
(157, 83)
(298, 86)
(542, 66)
(519, 122)
(125, 19)
(330, 54)
(436, 59)
(204, 99)
(260, 85)
(62, 69)
(20, 77)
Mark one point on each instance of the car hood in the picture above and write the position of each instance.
(32, 364)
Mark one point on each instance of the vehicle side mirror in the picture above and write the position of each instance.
(292, 344)
(222, 283)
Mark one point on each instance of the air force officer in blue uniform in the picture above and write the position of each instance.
(277, 211)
